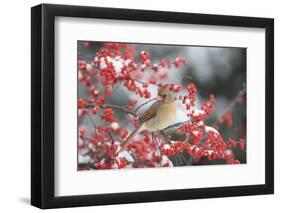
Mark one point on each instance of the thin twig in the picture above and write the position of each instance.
(176, 160)
(142, 82)
(140, 106)
(114, 107)
(180, 159)
(241, 93)
(177, 124)
(111, 137)
(184, 159)
(157, 147)
(92, 122)
(165, 136)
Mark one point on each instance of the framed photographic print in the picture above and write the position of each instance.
(140, 106)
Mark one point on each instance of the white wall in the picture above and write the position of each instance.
(15, 105)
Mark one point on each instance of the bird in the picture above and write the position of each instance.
(158, 116)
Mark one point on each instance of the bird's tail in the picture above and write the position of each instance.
(131, 136)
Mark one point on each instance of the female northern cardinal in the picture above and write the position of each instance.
(157, 117)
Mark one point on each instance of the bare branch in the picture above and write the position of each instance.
(241, 93)
(140, 106)
(142, 82)
(176, 125)
(117, 107)
(157, 146)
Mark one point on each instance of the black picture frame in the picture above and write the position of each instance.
(43, 105)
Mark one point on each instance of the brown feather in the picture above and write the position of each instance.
(150, 113)
(147, 115)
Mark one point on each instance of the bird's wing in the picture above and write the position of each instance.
(150, 112)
